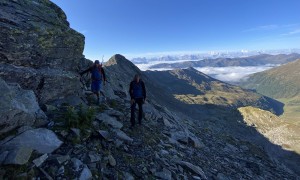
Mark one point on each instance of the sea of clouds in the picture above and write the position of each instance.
(233, 74)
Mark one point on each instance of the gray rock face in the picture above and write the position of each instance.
(18, 156)
(123, 136)
(112, 121)
(18, 107)
(39, 50)
(38, 35)
(195, 169)
(42, 140)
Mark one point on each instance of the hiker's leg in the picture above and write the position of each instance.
(132, 118)
(140, 103)
(98, 98)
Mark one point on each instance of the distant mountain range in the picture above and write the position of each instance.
(210, 55)
(257, 60)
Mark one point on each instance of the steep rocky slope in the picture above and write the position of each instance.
(39, 50)
(276, 129)
(96, 142)
(192, 87)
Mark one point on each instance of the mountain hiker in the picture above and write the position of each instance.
(97, 75)
(137, 93)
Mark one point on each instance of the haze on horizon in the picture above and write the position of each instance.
(139, 28)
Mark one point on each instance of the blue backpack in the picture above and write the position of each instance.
(96, 73)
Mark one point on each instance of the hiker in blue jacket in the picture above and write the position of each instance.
(137, 93)
(97, 75)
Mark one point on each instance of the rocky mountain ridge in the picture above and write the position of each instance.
(73, 138)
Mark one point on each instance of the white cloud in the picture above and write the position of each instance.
(296, 31)
(227, 74)
(234, 73)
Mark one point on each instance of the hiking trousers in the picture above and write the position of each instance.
(140, 102)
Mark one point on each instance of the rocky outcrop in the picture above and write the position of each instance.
(18, 107)
(41, 140)
(39, 50)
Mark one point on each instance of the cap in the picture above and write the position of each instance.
(97, 62)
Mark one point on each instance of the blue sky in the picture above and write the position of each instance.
(143, 27)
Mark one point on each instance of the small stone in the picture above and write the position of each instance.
(61, 170)
(118, 143)
(111, 160)
(164, 152)
(62, 159)
(104, 134)
(85, 173)
(221, 176)
(64, 133)
(39, 161)
(76, 131)
(165, 174)
(123, 136)
(109, 120)
(192, 167)
(94, 157)
(196, 177)
(76, 164)
(153, 170)
(167, 123)
(145, 170)
(128, 176)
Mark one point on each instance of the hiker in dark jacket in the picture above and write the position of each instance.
(97, 75)
(137, 93)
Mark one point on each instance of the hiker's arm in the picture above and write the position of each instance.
(144, 90)
(85, 71)
(103, 75)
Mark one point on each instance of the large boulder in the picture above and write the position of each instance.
(39, 50)
(18, 107)
(42, 140)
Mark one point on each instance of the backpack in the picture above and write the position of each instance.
(96, 73)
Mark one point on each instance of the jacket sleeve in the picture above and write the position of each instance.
(131, 90)
(85, 71)
(103, 74)
(144, 89)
